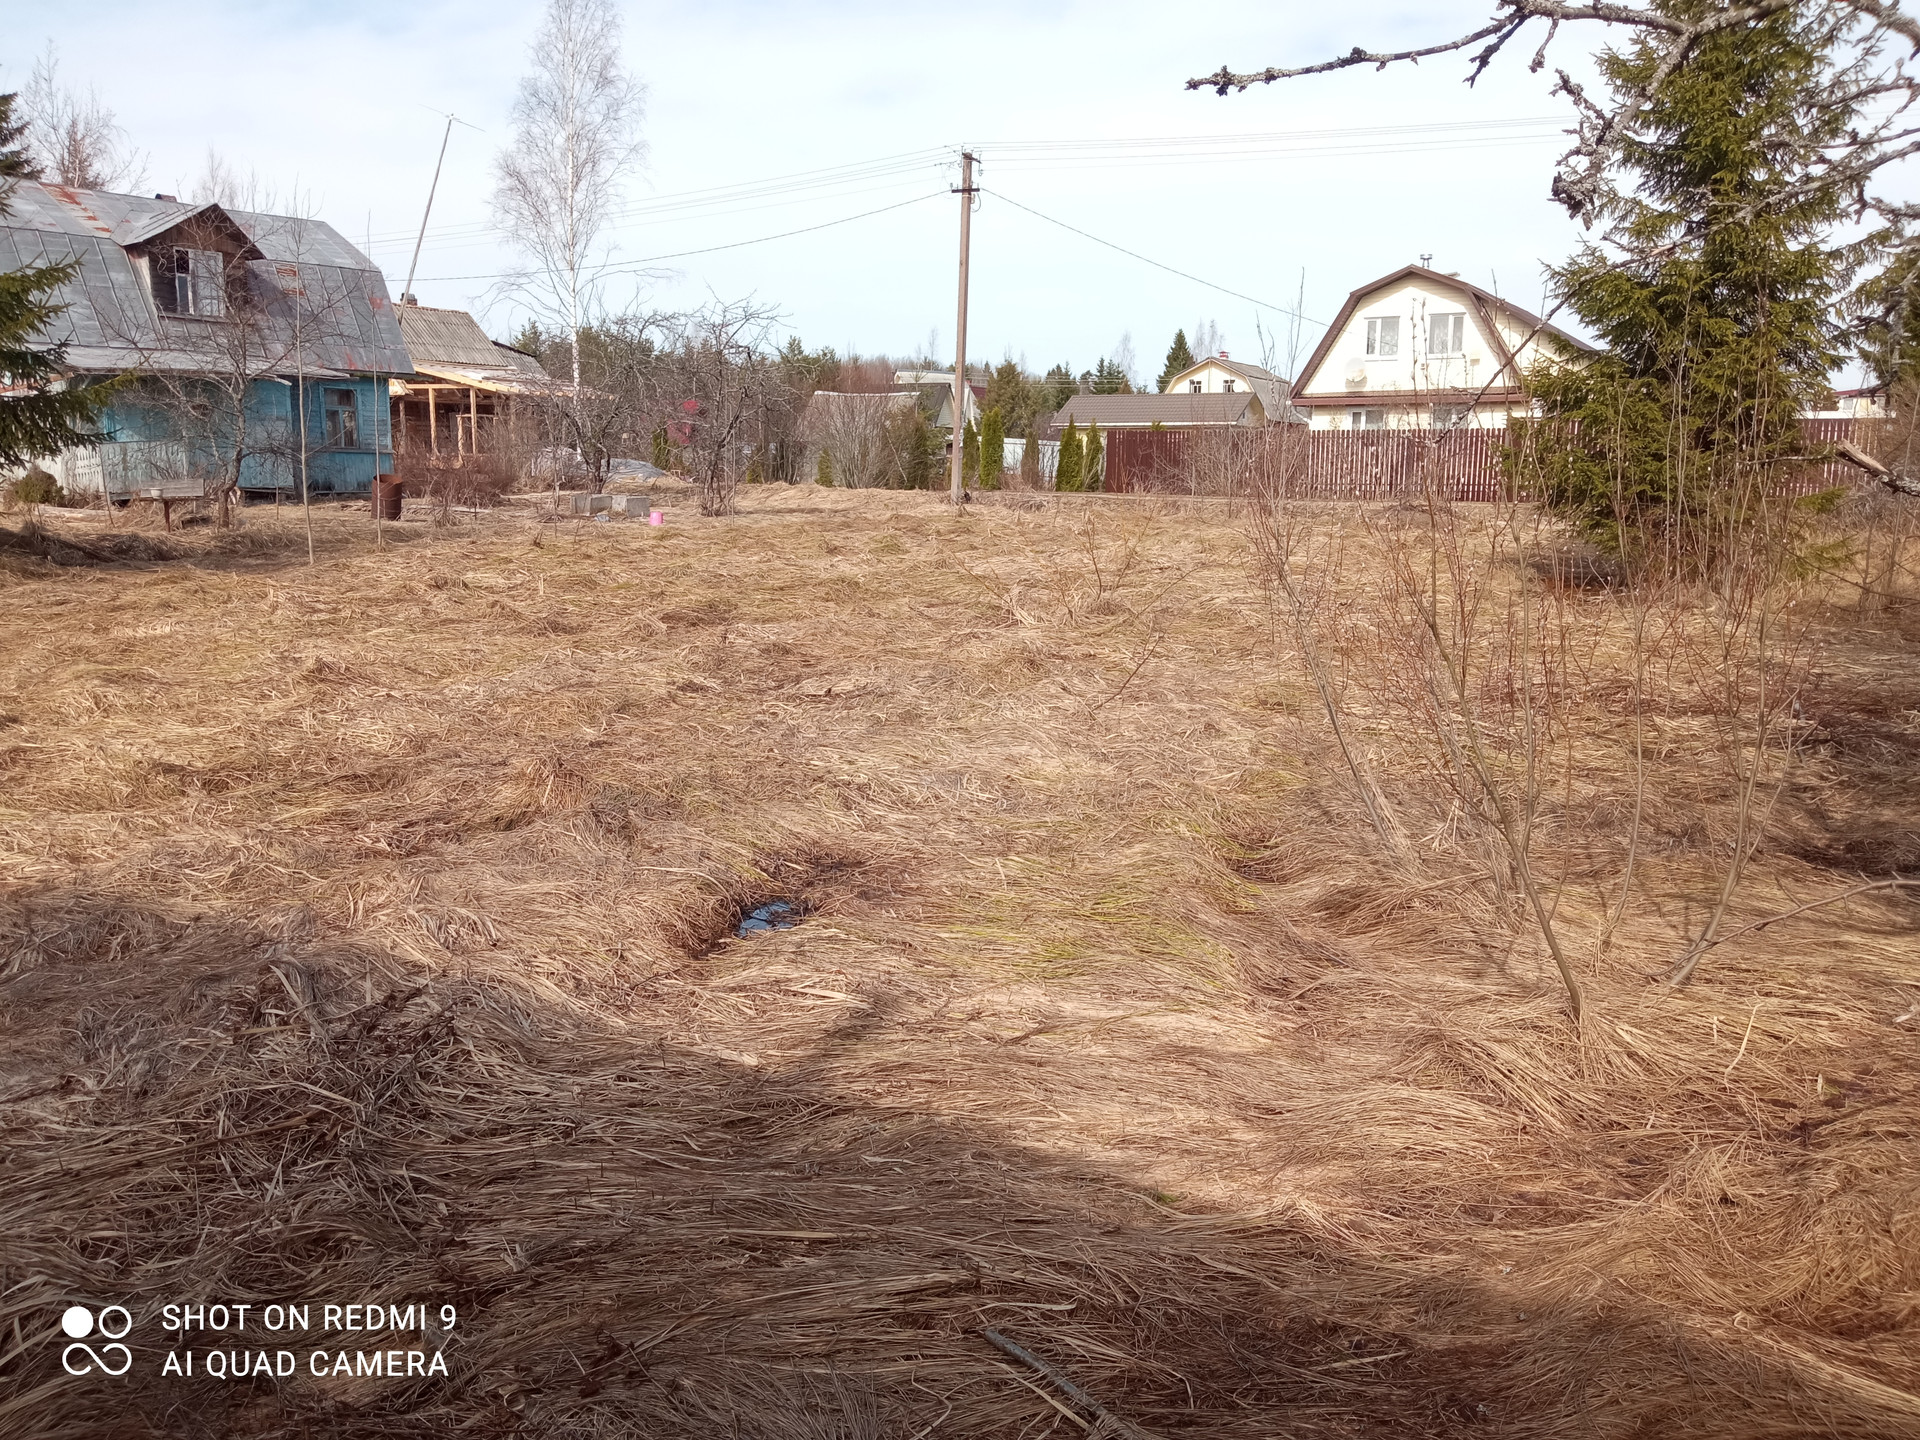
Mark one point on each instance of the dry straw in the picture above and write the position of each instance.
(367, 934)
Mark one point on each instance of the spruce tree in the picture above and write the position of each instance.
(1179, 358)
(1067, 474)
(993, 448)
(1058, 387)
(923, 449)
(36, 420)
(1015, 396)
(1714, 343)
(1092, 466)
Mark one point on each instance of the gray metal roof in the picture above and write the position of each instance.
(454, 338)
(1141, 411)
(324, 305)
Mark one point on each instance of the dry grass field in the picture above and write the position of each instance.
(367, 934)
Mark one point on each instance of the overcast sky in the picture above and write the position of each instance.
(1349, 176)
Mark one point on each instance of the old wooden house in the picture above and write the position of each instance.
(257, 347)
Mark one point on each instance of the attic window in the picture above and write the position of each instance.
(1194, 386)
(1383, 336)
(1446, 334)
(190, 282)
(1226, 387)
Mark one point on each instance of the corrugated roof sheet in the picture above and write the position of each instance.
(1143, 410)
(324, 305)
(453, 339)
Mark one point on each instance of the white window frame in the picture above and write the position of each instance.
(1383, 337)
(1357, 419)
(1447, 334)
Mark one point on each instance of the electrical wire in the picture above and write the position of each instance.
(1061, 155)
(1147, 260)
(631, 266)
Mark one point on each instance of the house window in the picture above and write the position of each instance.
(343, 419)
(1449, 417)
(190, 282)
(1383, 336)
(1446, 334)
(1194, 386)
(1375, 419)
(1226, 387)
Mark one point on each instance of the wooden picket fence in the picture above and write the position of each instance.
(1362, 464)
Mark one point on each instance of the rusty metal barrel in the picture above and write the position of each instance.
(387, 496)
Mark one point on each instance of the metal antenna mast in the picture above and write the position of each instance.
(413, 266)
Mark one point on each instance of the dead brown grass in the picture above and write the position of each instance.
(366, 934)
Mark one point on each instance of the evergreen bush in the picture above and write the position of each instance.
(1068, 475)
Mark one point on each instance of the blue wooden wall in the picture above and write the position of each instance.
(271, 463)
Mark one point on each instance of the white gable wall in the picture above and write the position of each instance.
(1423, 308)
(1218, 379)
(1215, 379)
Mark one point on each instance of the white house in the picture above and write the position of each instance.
(1417, 348)
(1869, 402)
(1218, 375)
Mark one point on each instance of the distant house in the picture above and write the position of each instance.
(925, 381)
(1417, 349)
(1219, 375)
(263, 338)
(1868, 402)
(1183, 410)
(466, 391)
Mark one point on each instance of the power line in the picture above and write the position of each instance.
(1084, 154)
(799, 181)
(1134, 254)
(632, 265)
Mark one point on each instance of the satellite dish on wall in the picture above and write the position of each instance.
(1356, 370)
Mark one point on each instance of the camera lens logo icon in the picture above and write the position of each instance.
(113, 1322)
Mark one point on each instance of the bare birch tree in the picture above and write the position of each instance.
(576, 133)
(74, 139)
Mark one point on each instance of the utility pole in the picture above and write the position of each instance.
(966, 193)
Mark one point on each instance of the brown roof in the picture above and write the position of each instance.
(1138, 412)
(1485, 303)
(1449, 395)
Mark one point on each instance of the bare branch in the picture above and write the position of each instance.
(1227, 80)
(1858, 27)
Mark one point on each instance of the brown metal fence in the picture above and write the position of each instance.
(1361, 464)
